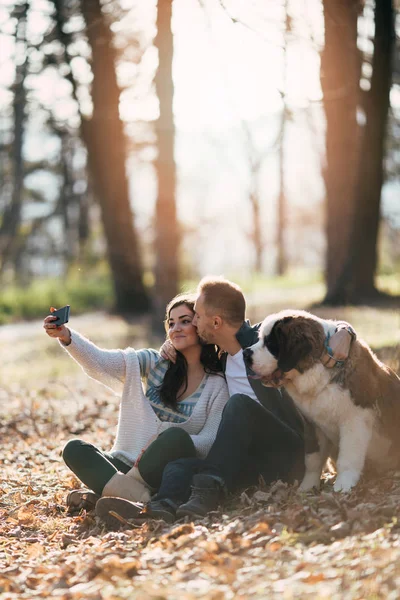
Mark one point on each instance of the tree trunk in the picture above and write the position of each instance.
(83, 223)
(12, 214)
(255, 161)
(340, 74)
(105, 139)
(65, 200)
(356, 282)
(281, 257)
(256, 236)
(83, 201)
(167, 235)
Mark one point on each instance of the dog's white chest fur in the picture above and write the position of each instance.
(332, 409)
(326, 404)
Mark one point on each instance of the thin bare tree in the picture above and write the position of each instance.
(12, 214)
(281, 255)
(167, 233)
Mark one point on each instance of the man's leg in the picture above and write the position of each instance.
(248, 437)
(286, 465)
(246, 433)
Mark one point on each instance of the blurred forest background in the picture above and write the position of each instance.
(145, 144)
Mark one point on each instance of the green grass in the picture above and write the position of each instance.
(303, 278)
(20, 303)
(389, 283)
(298, 278)
(258, 282)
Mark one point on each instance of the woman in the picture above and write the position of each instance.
(177, 416)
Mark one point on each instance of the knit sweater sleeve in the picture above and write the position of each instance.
(218, 398)
(106, 366)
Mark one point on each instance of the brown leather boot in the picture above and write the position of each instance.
(115, 512)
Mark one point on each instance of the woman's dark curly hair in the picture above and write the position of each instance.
(176, 375)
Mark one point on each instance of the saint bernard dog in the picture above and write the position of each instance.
(355, 408)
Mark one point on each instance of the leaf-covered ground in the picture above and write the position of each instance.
(266, 543)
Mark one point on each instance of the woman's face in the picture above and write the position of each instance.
(181, 332)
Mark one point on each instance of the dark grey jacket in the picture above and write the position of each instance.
(276, 401)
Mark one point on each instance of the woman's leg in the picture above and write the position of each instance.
(156, 468)
(92, 466)
(172, 444)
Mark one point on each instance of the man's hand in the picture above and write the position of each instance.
(168, 351)
(61, 332)
(340, 344)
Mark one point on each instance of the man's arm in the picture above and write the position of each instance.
(168, 351)
(339, 345)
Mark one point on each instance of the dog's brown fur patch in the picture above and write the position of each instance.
(373, 384)
(301, 342)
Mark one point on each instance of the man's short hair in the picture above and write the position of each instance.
(225, 297)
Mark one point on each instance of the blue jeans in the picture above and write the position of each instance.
(250, 442)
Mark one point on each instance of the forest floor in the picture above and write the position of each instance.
(268, 542)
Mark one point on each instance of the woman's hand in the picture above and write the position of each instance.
(61, 332)
(340, 344)
(168, 351)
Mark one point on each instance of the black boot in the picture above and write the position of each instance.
(161, 509)
(205, 497)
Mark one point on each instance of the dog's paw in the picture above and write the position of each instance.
(310, 481)
(346, 480)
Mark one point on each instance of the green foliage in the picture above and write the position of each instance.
(389, 281)
(34, 301)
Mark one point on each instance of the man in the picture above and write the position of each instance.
(261, 433)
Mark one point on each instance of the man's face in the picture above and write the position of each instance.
(203, 322)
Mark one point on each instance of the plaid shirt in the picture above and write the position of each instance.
(152, 369)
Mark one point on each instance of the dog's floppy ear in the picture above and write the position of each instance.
(293, 344)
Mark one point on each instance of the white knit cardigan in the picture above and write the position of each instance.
(138, 424)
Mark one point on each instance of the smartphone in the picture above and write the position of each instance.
(62, 315)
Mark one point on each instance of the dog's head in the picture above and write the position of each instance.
(288, 340)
